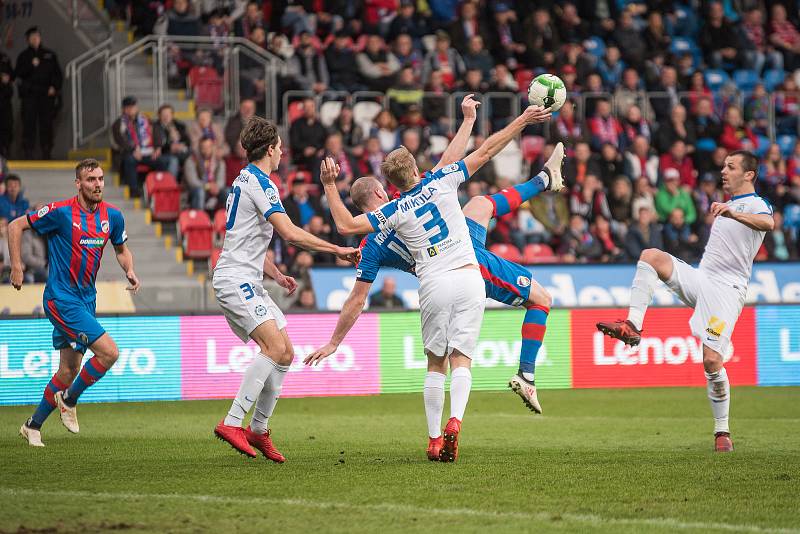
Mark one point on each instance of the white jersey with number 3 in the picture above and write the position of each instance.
(732, 246)
(251, 201)
(429, 220)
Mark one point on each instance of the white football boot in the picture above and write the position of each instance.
(526, 391)
(69, 414)
(31, 435)
(553, 166)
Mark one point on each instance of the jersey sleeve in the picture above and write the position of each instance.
(265, 197)
(761, 206)
(453, 175)
(44, 221)
(118, 233)
(367, 269)
(385, 217)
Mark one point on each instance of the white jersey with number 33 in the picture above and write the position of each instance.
(429, 220)
(732, 246)
(251, 201)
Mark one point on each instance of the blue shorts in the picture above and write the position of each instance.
(506, 281)
(74, 323)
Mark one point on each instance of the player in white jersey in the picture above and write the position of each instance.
(428, 219)
(253, 209)
(716, 289)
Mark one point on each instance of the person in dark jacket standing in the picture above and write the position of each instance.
(6, 93)
(40, 78)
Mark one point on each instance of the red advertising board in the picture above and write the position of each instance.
(668, 355)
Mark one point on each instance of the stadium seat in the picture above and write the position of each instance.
(763, 145)
(531, 146)
(163, 196)
(535, 253)
(745, 80)
(682, 45)
(506, 251)
(220, 220)
(773, 78)
(523, 78)
(786, 142)
(438, 144)
(295, 111)
(595, 46)
(508, 163)
(329, 112)
(206, 84)
(364, 113)
(195, 232)
(716, 78)
(213, 259)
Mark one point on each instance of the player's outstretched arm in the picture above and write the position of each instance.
(350, 313)
(346, 224)
(497, 141)
(297, 236)
(125, 260)
(286, 282)
(15, 229)
(455, 150)
(762, 222)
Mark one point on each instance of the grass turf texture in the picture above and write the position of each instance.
(606, 460)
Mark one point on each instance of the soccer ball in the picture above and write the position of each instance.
(547, 90)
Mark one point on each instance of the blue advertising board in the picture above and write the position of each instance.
(572, 285)
(148, 368)
(778, 345)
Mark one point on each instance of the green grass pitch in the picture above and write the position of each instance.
(598, 460)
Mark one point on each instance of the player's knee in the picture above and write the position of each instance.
(288, 354)
(712, 360)
(650, 255)
(108, 354)
(539, 296)
(479, 207)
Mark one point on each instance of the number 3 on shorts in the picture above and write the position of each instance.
(247, 290)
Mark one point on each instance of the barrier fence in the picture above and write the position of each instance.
(197, 357)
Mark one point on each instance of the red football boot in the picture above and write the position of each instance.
(449, 451)
(236, 438)
(622, 330)
(263, 443)
(435, 448)
(722, 442)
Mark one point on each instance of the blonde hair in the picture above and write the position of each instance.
(400, 168)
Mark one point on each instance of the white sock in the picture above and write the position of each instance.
(433, 395)
(719, 395)
(460, 384)
(252, 383)
(644, 283)
(268, 399)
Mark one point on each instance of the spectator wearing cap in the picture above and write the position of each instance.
(13, 203)
(760, 51)
(677, 159)
(6, 94)
(235, 125)
(204, 174)
(541, 38)
(307, 136)
(307, 66)
(132, 137)
(405, 52)
(603, 126)
(376, 64)
(342, 66)
(171, 135)
(408, 21)
(444, 59)
(468, 25)
(204, 127)
(646, 233)
(569, 75)
(478, 58)
(39, 76)
(640, 161)
(719, 39)
(677, 128)
(784, 36)
(299, 205)
(671, 196)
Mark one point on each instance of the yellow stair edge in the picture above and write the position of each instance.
(40, 165)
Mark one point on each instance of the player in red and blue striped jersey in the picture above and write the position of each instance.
(76, 230)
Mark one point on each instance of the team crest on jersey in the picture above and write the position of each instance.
(261, 311)
(523, 281)
(453, 167)
(740, 208)
(104, 226)
(716, 326)
(44, 211)
(272, 196)
(83, 338)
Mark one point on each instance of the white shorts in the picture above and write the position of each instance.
(246, 305)
(451, 306)
(716, 304)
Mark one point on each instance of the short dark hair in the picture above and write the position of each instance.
(257, 136)
(88, 164)
(162, 107)
(13, 178)
(749, 161)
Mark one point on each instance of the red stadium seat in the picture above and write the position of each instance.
(295, 110)
(212, 261)
(196, 232)
(523, 78)
(531, 146)
(163, 196)
(220, 219)
(507, 252)
(534, 253)
(207, 86)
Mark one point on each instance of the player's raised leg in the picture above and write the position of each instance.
(653, 265)
(534, 326)
(433, 397)
(69, 363)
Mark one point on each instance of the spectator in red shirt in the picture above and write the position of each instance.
(677, 159)
(761, 51)
(785, 37)
(604, 127)
(735, 135)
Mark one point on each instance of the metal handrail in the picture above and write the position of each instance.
(97, 13)
(73, 72)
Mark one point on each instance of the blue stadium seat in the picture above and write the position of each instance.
(763, 145)
(745, 80)
(681, 45)
(595, 46)
(716, 78)
(786, 142)
(773, 78)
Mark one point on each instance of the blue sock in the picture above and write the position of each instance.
(47, 404)
(92, 371)
(509, 200)
(533, 330)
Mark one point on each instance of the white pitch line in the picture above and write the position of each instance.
(406, 509)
